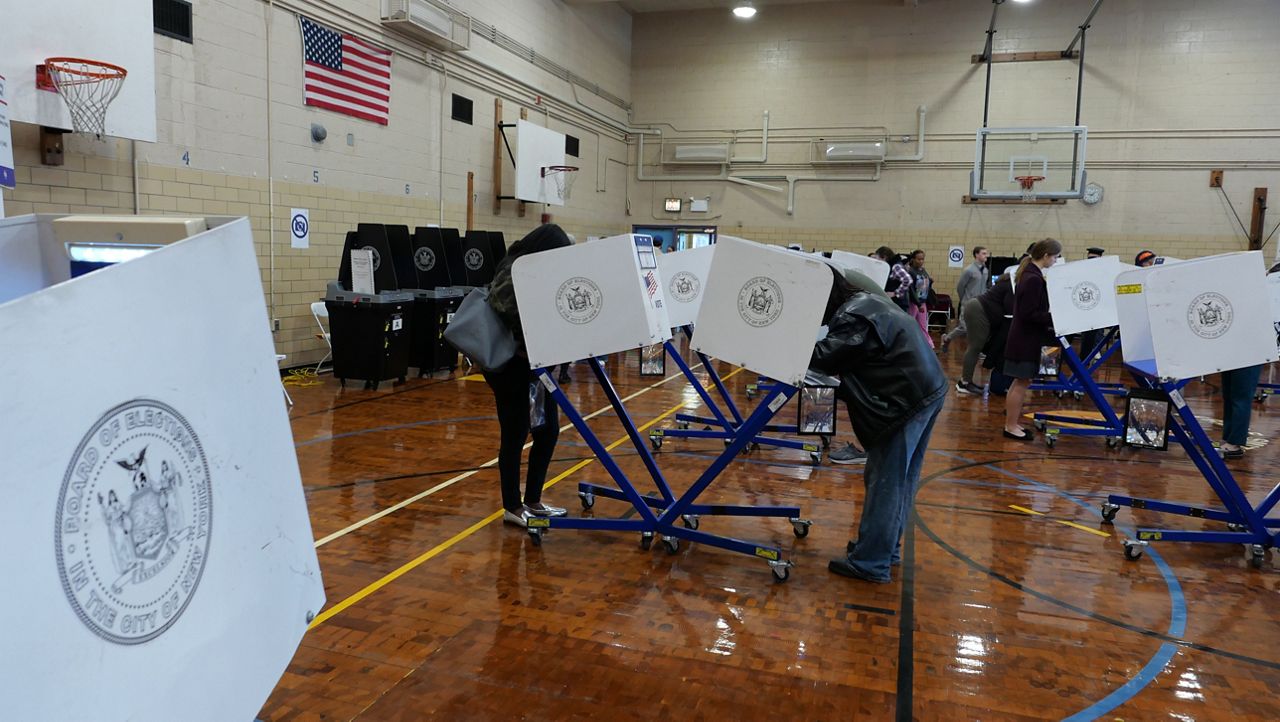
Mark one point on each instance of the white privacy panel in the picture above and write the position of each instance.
(1082, 294)
(1197, 317)
(762, 308)
(590, 299)
(684, 277)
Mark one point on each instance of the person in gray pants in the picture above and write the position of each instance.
(973, 283)
(981, 315)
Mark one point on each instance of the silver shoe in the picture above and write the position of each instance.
(541, 509)
(521, 520)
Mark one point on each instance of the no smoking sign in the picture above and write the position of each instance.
(300, 228)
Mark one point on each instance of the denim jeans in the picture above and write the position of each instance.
(1238, 388)
(891, 477)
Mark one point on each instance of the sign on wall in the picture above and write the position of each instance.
(300, 228)
(955, 257)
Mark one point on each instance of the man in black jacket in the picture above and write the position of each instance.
(894, 388)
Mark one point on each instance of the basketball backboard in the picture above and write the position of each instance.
(537, 148)
(1054, 155)
(121, 33)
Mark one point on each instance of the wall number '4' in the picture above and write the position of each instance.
(186, 157)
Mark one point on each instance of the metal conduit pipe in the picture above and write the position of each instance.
(640, 176)
(921, 112)
(764, 144)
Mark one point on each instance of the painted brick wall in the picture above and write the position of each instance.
(1172, 89)
(211, 154)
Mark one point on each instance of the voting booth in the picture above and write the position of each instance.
(684, 275)
(158, 560)
(762, 309)
(1181, 321)
(590, 300)
(873, 268)
(1196, 317)
(1082, 294)
(606, 296)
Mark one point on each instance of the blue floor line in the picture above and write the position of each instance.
(1177, 615)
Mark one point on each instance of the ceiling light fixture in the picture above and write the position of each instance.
(745, 11)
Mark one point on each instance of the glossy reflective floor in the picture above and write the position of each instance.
(437, 610)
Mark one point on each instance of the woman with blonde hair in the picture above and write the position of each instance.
(1031, 329)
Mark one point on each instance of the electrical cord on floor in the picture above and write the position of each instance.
(302, 378)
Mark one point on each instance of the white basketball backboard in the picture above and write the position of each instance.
(537, 148)
(1055, 155)
(121, 33)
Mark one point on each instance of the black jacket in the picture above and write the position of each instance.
(887, 371)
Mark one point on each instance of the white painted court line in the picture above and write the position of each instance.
(446, 484)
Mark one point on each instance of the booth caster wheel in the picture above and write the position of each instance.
(1133, 550)
(1257, 555)
(587, 498)
(1051, 438)
(535, 536)
(690, 521)
(646, 540)
(682, 425)
(800, 527)
(815, 458)
(1113, 442)
(1109, 512)
(781, 570)
(671, 543)
(727, 442)
(1235, 527)
(655, 442)
(1078, 395)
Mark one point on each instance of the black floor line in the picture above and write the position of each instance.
(905, 702)
(873, 610)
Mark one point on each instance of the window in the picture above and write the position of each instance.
(172, 18)
(571, 146)
(462, 109)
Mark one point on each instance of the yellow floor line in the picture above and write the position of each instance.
(467, 474)
(1071, 524)
(436, 551)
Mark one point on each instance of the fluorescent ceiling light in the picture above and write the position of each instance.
(1022, 1)
(745, 11)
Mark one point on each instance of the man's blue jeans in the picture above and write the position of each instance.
(1238, 388)
(891, 477)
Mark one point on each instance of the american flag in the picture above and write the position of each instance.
(650, 283)
(345, 74)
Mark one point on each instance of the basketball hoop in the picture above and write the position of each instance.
(564, 176)
(87, 87)
(1028, 183)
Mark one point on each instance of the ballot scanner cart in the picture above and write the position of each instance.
(1082, 298)
(760, 308)
(1180, 322)
(684, 275)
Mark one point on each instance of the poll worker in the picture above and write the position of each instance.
(514, 387)
(894, 389)
(973, 282)
(1030, 330)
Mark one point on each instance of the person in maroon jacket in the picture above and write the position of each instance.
(1031, 329)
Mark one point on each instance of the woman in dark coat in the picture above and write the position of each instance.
(1031, 329)
(511, 391)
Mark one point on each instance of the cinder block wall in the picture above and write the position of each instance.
(1172, 89)
(211, 156)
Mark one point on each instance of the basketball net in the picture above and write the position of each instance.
(87, 87)
(1028, 183)
(563, 176)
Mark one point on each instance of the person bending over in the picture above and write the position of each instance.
(511, 392)
(894, 389)
(1031, 329)
(983, 316)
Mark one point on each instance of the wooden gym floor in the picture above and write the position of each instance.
(437, 610)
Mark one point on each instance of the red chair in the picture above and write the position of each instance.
(940, 305)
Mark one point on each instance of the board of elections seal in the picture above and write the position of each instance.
(579, 300)
(377, 257)
(474, 259)
(424, 259)
(1209, 315)
(760, 301)
(134, 520)
(1085, 295)
(684, 286)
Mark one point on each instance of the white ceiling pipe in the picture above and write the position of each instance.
(921, 112)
